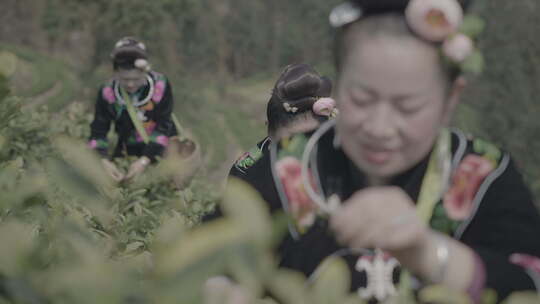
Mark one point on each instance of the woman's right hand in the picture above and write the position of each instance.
(112, 170)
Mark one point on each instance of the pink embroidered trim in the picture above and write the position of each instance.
(162, 140)
(92, 144)
(302, 208)
(108, 94)
(478, 281)
(526, 261)
(159, 90)
(149, 129)
(472, 171)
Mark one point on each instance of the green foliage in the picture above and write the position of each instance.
(76, 237)
(38, 75)
(502, 104)
(238, 38)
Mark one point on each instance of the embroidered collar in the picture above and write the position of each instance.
(136, 102)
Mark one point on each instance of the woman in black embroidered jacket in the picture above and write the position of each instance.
(291, 109)
(151, 96)
(300, 101)
(396, 189)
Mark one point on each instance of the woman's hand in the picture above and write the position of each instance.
(137, 167)
(381, 217)
(112, 170)
(386, 218)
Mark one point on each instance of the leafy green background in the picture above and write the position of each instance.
(70, 235)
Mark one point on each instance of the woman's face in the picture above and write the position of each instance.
(393, 102)
(131, 80)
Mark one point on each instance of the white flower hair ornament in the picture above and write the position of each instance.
(143, 65)
(434, 20)
(443, 21)
(289, 109)
(126, 41)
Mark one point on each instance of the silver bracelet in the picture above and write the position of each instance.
(443, 254)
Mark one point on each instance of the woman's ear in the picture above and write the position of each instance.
(454, 98)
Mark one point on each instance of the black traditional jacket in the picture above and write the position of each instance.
(154, 106)
(487, 207)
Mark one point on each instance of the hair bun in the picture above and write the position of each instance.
(298, 81)
(130, 46)
(325, 89)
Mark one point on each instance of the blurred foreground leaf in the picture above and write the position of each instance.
(8, 63)
(331, 281)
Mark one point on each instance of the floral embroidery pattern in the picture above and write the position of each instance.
(159, 90)
(98, 144)
(92, 144)
(162, 140)
(149, 127)
(249, 158)
(458, 201)
(441, 222)
(526, 261)
(108, 94)
(302, 208)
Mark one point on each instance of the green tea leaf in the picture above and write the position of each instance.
(331, 281)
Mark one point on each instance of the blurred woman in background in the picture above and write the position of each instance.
(300, 102)
(139, 102)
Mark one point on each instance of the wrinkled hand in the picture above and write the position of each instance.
(112, 170)
(221, 290)
(386, 218)
(137, 167)
(381, 217)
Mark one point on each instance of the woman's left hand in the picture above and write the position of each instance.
(380, 217)
(137, 167)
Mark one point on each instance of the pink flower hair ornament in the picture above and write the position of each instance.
(434, 20)
(437, 21)
(325, 106)
(443, 21)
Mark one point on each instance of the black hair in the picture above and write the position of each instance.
(299, 86)
(392, 21)
(126, 60)
(126, 51)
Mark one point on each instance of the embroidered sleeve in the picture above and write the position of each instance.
(102, 121)
(500, 227)
(290, 183)
(470, 180)
(489, 208)
(248, 159)
(164, 127)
